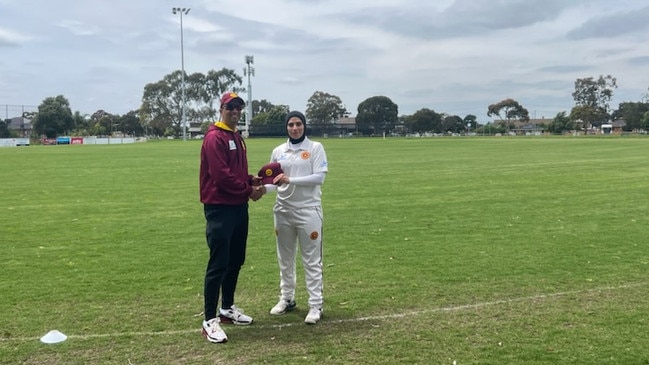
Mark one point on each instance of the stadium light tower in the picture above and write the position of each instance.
(182, 11)
(249, 71)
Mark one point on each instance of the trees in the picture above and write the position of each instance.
(584, 116)
(261, 106)
(561, 123)
(471, 122)
(592, 98)
(161, 104)
(266, 112)
(269, 122)
(645, 121)
(453, 124)
(427, 120)
(161, 108)
(510, 109)
(324, 108)
(204, 92)
(632, 114)
(81, 124)
(4, 128)
(377, 114)
(129, 123)
(424, 120)
(102, 123)
(274, 115)
(54, 117)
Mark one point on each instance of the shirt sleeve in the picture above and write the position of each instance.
(320, 163)
(309, 180)
(270, 187)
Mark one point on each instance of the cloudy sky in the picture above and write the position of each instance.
(455, 57)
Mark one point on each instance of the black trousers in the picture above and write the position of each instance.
(227, 234)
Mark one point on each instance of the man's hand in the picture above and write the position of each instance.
(256, 180)
(257, 193)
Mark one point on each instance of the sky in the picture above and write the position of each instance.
(451, 56)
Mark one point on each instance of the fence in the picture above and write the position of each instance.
(14, 142)
(12, 111)
(279, 130)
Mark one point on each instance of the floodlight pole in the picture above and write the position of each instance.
(249, 71)
(180, 11)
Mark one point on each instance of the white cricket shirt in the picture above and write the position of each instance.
(309, 158)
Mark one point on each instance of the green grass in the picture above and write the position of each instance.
(473, 250)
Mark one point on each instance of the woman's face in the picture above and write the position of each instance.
(295, 128)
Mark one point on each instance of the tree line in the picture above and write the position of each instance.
(160, 113)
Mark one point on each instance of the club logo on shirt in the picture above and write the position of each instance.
(233, 146)
(314, 235)
(306, 155)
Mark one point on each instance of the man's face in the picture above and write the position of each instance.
(231, 112)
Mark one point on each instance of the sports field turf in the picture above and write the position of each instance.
(524, 250)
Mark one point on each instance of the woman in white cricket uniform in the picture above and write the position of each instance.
(298, 215)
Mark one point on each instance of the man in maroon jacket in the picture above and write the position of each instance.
(225, 187)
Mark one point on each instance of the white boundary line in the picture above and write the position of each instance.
(349, 320)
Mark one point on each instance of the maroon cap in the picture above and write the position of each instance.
(229, 96)
(269, 171)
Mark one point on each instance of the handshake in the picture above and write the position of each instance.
(270, 173)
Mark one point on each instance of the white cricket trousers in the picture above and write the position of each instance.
(303, 227)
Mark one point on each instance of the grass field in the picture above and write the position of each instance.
(437, 251)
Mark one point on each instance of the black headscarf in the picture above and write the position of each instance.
(290, 115)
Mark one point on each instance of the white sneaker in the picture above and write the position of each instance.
(234, 315)
(313, 316)
(212, 331)
(283, 306)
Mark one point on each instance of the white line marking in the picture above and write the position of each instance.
(349, 320)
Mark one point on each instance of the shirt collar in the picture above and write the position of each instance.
(303, 146)
(222, 125)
